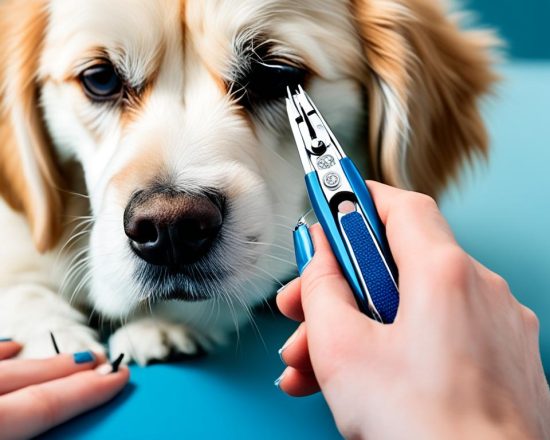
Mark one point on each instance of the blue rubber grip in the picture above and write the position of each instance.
(369, 210)
(380, 285)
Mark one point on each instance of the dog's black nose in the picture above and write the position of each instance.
(172, 229)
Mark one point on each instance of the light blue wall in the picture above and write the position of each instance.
(500, 210)
(524, 25)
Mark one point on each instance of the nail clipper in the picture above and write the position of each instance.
(345, 209)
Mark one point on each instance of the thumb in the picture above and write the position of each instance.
(330, 310)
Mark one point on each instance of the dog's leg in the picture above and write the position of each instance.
(30, 303)
(176, 330)
(148, 340)
(28, 312)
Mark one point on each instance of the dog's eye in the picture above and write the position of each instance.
(269, 80)
(101, 82)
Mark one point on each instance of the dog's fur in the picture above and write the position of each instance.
(397, 80)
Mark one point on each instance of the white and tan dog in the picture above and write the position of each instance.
(147, 172)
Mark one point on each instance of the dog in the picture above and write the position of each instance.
(148, 176)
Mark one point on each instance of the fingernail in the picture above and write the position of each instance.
(6, 339)
(277, 382)
(289, 341)
(284, 286)
(280, 351)
(280, 289)
(104, 369)
(83, 357)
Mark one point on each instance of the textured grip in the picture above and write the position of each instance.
(380, 285)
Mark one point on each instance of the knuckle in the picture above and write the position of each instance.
(451, 271)
(499, 283)
(530, 318)
(416, 200)
(453, 263)
(317, 283)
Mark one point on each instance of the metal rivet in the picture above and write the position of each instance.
(331, 180)
(325, 162)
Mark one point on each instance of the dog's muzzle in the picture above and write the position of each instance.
(172, 229)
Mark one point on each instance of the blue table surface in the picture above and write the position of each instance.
(500, 213)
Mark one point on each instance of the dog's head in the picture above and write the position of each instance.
(174, 111)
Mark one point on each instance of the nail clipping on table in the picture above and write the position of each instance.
(116, 363)
(113, 367)
(54, 342)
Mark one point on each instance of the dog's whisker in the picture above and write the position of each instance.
(269, 274)
(251, 319)
(73, 239)
(73, 271)
(74, 193)
(286, 227)
(292, 263)
(274, 245)
(83, 283)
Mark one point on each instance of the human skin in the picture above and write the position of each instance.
(461, 359)
(36, 395)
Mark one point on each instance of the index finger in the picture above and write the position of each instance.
(414, 225)
(35, 409)
(19, 373)
(8, 349)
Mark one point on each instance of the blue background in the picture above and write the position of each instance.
(500, 213)
(524, 25)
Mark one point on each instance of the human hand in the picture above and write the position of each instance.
(36, 395)
(461, 359)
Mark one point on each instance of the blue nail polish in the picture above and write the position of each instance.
(83, 357)
(6, 339)
(303, 246)
(281, 355)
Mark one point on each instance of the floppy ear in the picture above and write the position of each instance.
(425, 80)
(29, 179)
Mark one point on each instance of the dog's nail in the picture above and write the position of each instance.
(54, 342)
(83, 357)
(277, 382)
(6, 339)
(116, 363)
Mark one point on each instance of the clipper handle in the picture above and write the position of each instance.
(359, 244)
(374, 271)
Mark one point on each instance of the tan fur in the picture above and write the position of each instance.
(21, 26)
(144, 168)
(437, 73)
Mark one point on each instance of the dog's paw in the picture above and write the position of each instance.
(148, 340)
(71, 339)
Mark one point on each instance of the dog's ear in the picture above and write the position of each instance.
(424, 79)
(29, 179)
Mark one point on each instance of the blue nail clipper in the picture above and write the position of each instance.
(344, 207)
